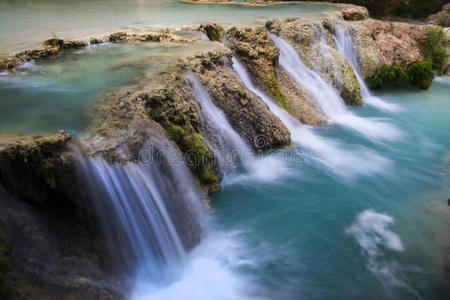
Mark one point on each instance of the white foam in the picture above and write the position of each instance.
(371, 230)
(209, 275)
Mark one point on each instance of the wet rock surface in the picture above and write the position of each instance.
(314, 42)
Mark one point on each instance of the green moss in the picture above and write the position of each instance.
(197, 154)
(55, 42)
(351, 96)
(433, 48)
(214, 32)
(274, 87)
(95, 41)
(388, 75)
(420, 74)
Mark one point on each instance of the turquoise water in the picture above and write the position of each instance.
(375, 229)
(26, 23)
(54, 94)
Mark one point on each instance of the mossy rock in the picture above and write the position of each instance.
(95, 41)
(388, 76)
(421, 74)
(55, 42)
(434, 48)
(213, 31)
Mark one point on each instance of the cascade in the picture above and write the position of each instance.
(148, 221)
(326, 151)
(220, 136)
(327, 98)
(344, 44)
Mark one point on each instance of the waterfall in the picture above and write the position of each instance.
(150, 211)
(327, 98)
(344, 44)
(222, 139)
(326, 151)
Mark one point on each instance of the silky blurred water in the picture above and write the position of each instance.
(313, 233)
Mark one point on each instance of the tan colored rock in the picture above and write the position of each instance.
(315, 44)
(258, 53)
(298, 103)
(441, 18)
(397, 42)
(355, 13)
(367, 55)
(248, 115)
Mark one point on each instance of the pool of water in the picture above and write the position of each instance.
(24, 24)
(53, 94)
(373, 229)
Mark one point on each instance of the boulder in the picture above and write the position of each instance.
(355, 13)
(396, 42)
(315, 44)
(248, 115)
(441, 18)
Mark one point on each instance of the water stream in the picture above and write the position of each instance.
(355, 209)
(328, 99)
(344, 44)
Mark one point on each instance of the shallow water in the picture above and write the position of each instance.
(54, 94)
(25, 24)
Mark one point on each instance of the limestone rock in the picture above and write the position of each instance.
(42, 163)
(441, 18)
(315, 44)
(368, 58)
(249, 116)
(214, 31)
(397, 42)
(355, 13)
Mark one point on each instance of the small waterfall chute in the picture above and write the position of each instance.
(222, 139)
(150, 212)
(344, 45)
(327, 97)
(326, 151)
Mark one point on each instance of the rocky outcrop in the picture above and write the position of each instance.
(316, 46)
(43, 211)
(447, 36)
(55, 46)
(355, 13)
(42, 163)
(397, 42)
(367, 55)
(214, 31)
(249, 116)
(441, 18)
(253, 47)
